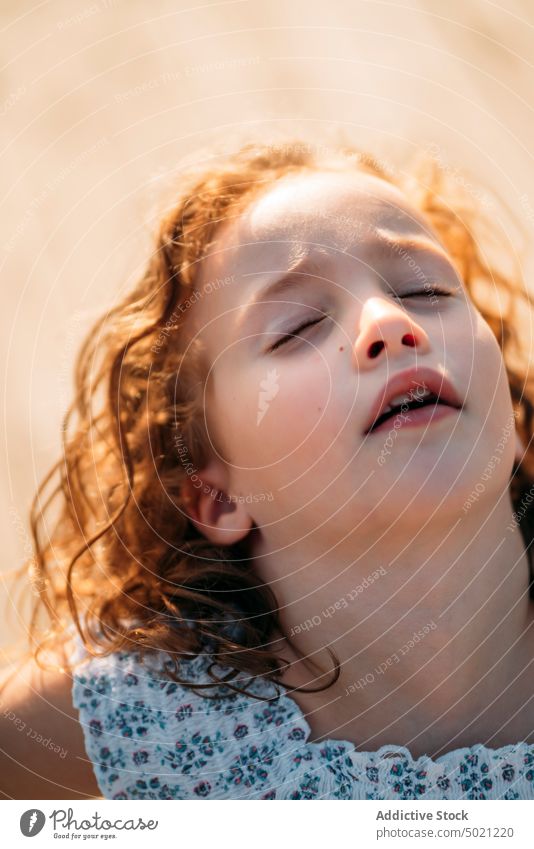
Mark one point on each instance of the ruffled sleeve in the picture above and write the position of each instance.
(149, 737)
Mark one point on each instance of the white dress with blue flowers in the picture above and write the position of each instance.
(151, 738)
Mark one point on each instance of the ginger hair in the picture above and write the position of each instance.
(122, 559)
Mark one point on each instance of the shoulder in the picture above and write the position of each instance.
(41, 743)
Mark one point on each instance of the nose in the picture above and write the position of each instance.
(386, 330)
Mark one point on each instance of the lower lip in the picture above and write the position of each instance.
(416, 418)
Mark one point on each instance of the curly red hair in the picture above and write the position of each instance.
(123, 556)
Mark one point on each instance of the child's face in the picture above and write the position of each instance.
(290, 422)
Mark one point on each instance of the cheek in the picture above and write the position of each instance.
(488, 371)
(490, 396)
(472, 354)
(279, 414)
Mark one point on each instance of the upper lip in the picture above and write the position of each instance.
(410, 380)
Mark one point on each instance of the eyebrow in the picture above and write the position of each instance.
(291, 278)
(311, 264)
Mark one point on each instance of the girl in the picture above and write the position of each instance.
(292, 556)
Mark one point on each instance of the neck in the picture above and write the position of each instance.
(434, 638)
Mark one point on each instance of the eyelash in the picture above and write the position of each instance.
(292, 333)
(433, 290)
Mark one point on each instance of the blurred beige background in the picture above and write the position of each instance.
(99, 100)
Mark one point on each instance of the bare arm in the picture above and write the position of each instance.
(42, 752)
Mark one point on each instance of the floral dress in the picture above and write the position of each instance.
(151, 738)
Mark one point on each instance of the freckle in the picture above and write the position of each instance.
(341, 348)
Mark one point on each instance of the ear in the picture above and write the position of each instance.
(218, 516)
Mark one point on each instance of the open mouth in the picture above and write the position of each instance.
(429, 400)
(412, 397)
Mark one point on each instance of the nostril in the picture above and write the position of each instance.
(375, 349)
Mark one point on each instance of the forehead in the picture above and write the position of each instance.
(320, 211)
(342, 208)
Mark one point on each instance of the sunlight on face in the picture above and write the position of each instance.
(336, 285)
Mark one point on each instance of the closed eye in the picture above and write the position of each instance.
(295, 333)
(427, 291)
